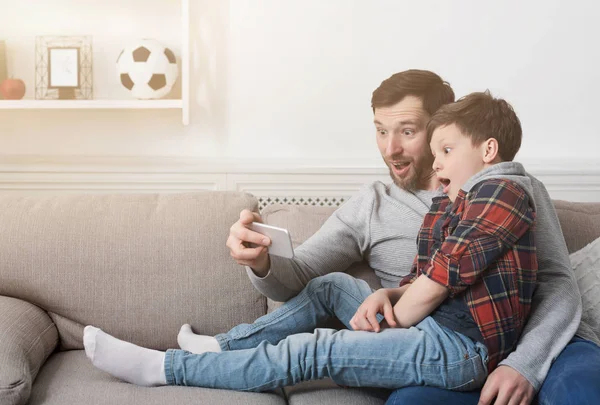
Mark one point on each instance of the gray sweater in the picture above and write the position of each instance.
(380, 225)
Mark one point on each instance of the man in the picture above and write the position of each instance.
(380, 225)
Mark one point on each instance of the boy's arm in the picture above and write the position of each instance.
(379, 303)
(412, 307)
(496, 216)
(418, 301)
(394, 294)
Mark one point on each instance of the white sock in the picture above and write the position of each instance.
(197, 344)
(124, 360)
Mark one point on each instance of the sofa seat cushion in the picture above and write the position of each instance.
(327, 392)
(70, 378)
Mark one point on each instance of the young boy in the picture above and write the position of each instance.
(468, 294)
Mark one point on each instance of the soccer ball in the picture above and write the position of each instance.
(147, 69)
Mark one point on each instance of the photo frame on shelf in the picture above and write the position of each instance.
(63, 68)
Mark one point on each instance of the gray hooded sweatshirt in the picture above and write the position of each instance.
(380, 225)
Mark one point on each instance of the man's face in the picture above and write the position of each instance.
(455, 158)
(402, 142)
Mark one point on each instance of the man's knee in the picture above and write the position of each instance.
(328, 280)
(574, 375)
(431, 396)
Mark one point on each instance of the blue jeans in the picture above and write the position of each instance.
(283, 348)
(573, 379)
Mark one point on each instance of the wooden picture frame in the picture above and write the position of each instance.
(63, 68)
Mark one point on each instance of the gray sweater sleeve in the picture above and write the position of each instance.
(342, 240)
(556, 307)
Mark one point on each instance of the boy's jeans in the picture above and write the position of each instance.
(283, 348)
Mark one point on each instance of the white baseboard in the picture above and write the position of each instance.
(566, 180)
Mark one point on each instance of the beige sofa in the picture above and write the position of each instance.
(139, 266)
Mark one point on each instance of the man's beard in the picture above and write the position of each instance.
(418, 176)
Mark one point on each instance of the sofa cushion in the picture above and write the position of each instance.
(135, 265)
(70, 378)
(302, 221)
(325, 392)
(586, 265)
(580, 222)
(27, 338)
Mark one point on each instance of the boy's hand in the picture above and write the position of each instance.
(365, 316)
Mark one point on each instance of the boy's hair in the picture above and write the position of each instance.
(429, 87)
(480, 117)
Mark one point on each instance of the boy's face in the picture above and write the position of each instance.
(455, 158)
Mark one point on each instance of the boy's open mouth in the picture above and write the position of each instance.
(445, 183)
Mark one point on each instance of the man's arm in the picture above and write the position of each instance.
(340, 242)
(556, 307)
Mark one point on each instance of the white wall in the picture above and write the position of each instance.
(293, 79)
(302, 72)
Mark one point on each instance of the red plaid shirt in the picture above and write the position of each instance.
(485, 251)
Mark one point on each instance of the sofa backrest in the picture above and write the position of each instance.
(135, 265)
(580, 223)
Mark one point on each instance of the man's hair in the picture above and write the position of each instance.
(429, 87)
(480, 117)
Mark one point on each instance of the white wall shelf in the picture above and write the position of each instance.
(89, 104)
(106, 102)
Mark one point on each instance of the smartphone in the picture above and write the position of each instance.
(281, 241)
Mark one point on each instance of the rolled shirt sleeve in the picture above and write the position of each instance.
(496, 214)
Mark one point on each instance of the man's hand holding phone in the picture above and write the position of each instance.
(281, 242)
(240, 240)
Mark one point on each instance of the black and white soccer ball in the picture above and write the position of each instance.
(148, 69)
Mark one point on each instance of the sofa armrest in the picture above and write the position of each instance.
(27, 337)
